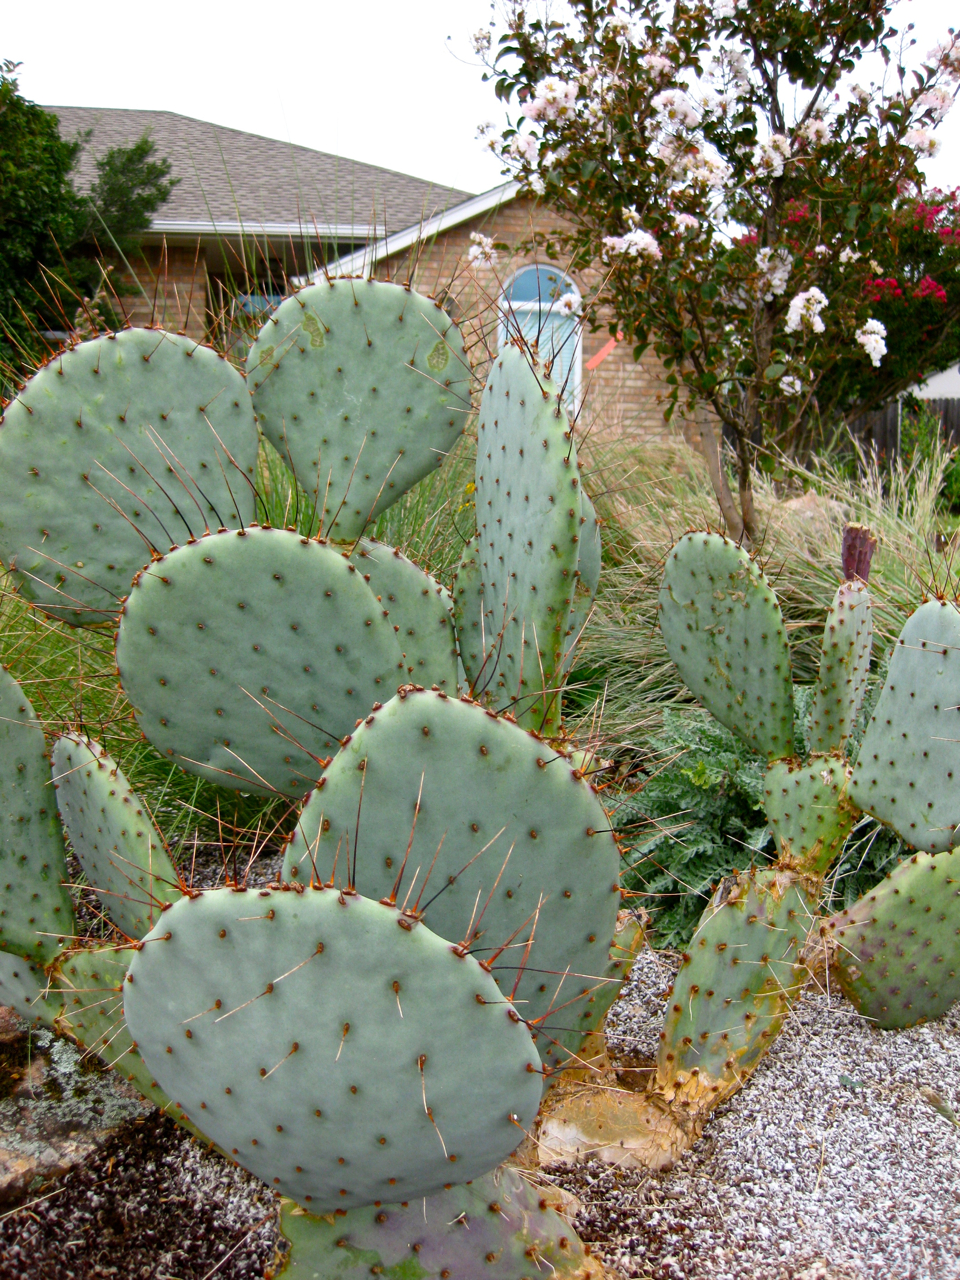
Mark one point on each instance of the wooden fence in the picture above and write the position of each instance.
(879, 431)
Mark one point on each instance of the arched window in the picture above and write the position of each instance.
(543, 305)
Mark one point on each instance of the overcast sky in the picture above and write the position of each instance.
(375, 80)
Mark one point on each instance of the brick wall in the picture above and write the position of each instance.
(621, 396)
(169, 288)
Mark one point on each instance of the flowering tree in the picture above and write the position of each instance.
(761, 216)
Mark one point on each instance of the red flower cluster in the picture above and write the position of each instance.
(928, 288)
(879, 288)
(797, 212)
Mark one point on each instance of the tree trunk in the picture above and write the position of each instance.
(717, 474)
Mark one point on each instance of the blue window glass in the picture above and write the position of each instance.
(543, 305)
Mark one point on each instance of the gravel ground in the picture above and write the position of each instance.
(834, 1163)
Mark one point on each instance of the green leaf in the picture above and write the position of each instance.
(774, 371)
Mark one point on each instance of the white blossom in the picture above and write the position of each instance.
(775, 266)
(947, 58)
(675, 108)
(567, 305)
(871, 338)
(770, 156)
(861, 94)
(806, 308)
(626, 28)
(524, 147)
(553, 99)
(635, 244)
(921, 140)
(725, 9)
(482, 250)
(937, 101)
(481, 41)
(658, 64)
(710, 170)
(790, 386)
(536, 184)
(686, 221)
(822, 251)
(817, 132)
(849, 255)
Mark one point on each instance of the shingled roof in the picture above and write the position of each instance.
(231, 181)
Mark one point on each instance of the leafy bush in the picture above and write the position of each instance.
(699, 816)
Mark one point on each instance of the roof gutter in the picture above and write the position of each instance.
(365, 261)
(295, 230)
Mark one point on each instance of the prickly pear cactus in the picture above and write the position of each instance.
(113, 836)
(588, 578)
(288, 648)
(117, 448)
(25, 987)
(90, 985)
(809, 811)
(363, 388)
(499, 1227)
(473, 645)
(734, 988)
(528, 516)
(36, 911)
(519, 849)
(896, 952)
(420, 610)
(844, 666)
(909, 764)
(339, 1051)
(722, 626)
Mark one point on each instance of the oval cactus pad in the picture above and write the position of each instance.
(36, 911)
(339, 1056)
(460, 780)
(528, 517)
(897, 956)
(723, 628)
(363, 388)
(119, 446)
(419, 608)
(287, 648)
(500, 1227)
(908, 769)
(113, 836)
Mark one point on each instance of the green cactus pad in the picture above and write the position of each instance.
(113, 836)
(363, 387)
(90, 983)
(897, 954)
(144, 421)
(36, 911)
(511, 792)
(809, 811)
(908, 771)
(499, 1227)
(26, 988)
(722, 627)
(528, 516)
(337, 1052)
(288, 647)
(472, 642)
(588, 579)
(419, 610)
(735, 986)
(844, 665)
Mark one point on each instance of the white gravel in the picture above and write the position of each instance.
(831, 1164)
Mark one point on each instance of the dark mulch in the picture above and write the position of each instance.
(153, 1204)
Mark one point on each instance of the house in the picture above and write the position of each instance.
(250, 216)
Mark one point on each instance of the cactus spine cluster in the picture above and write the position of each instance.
(377, 1027)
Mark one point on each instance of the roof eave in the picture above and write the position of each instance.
(365, 261)
(194, 228)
